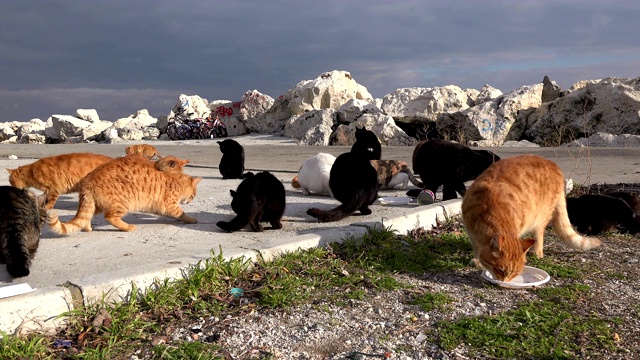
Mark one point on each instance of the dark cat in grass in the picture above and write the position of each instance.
(353, 180)
(21, 219)
(446, 163)
(593, 214)
(259, 198)
(367, 141)
(232, 161)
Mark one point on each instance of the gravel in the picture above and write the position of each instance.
(387, 325)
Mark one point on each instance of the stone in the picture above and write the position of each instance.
(33, 126)
(318, 135)
(254, 103)
(328, 91)
(64, 127)
(490, 122)
(550, 90)
(354, 108)
(298, 127)
(90, 115)
(606, 140)
(487, 93)
(611, 105)
(425, 104)
(191, 106)
(382, 125)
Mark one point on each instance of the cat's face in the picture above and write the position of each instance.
(191, 194)
(16, 178)
(504, 263)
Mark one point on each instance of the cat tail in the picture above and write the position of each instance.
(338, 213)
(82, 220)
(563, 229)
(16, 255)
(295, 182)
(414, 180)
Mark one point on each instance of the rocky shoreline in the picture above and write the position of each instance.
(326, 110)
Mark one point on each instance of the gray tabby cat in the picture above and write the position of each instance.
(21, 219)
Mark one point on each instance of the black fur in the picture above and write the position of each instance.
(232, 161)
(441, 162)
(21, 219)
(259, 198)
(353, 182)
(593, 214)
(367, 143)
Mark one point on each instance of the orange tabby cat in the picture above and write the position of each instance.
(171, 164)
(128, 184)
(56, 175)
(145, 150)
(514, 197)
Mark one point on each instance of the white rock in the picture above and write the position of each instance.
(90, 115)
(254, 103)
(298, 127)
(425, 104)
(354, 108)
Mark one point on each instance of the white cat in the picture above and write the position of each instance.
(313, 176)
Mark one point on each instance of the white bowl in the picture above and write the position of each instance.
(397, 200)
(529, 278)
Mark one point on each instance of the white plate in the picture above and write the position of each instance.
(397, 200)
(8, 290)
(530, 277)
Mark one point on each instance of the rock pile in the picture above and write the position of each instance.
(327, 110)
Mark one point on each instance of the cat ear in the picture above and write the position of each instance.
(233, 193)
(196, 180)
(9, 170)
(527, 243)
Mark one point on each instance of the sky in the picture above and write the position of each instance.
(119, 56)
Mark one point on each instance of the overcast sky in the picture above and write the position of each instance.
(118, 56)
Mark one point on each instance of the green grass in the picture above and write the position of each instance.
(431, 301)
(546, 329)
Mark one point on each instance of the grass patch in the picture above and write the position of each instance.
(542, 329)
(385, 251)
(555, 269)
(432, 301)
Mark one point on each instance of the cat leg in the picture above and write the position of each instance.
(364, 210)
(276, 224)
(176, 212)
(255, 216)
(114, 217)
(51, 198)
(538, 235)
(305, 191)
(448, 192)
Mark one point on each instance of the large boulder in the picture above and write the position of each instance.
(191, 106)
(550, 90)
(425, 104)
(354, 108)
(328, 91)
(254, 103)
(489, 123)
(382, 125)
(65, 128)
(298, 127)
(606, 140)
(609, 105)
(91, 115)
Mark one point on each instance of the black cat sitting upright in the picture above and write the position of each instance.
(232, 161)
(21, 219)
(446, 163)
(353, 180)
(593, 214)
(259, 198)
(367, 141)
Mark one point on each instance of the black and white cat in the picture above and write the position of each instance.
(232, 161)
(353, 180)
(21, 219)
(446, 163)
(596, 213)
(259, 198)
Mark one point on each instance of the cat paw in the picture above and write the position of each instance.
(475, 263)
(365, 211)
(223, 225)
(276, 225)
(188, 219)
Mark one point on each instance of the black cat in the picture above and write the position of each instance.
(259, 197)
(367, 141)
(353, 181)
(21, 219)
(232, 161)
(593, 214)
(441, 162)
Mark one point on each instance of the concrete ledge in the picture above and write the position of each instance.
(35, 311)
